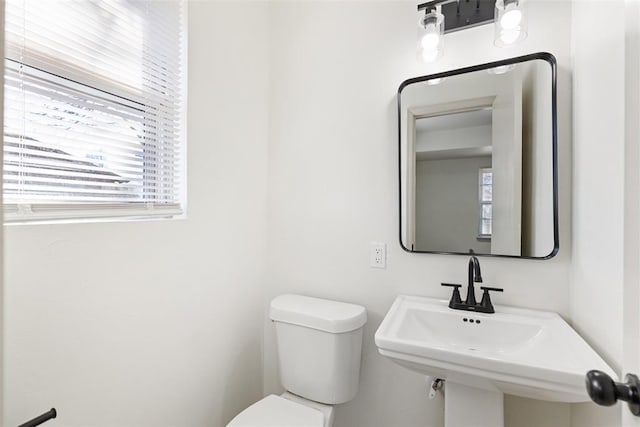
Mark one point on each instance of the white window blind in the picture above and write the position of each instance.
(93, 108)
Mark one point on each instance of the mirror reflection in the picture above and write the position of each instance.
(477, 161)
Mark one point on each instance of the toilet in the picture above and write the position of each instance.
(319, 346)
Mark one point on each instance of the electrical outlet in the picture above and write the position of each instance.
(378, 255)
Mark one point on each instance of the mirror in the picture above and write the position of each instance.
(478, 160)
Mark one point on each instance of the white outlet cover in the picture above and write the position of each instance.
(378, 255)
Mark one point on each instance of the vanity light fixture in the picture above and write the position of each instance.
(510, 22)
(430, 35)
(438, 17)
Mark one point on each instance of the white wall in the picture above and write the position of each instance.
(333, 95)
(447, 205)
(157, 323)
(598, 204)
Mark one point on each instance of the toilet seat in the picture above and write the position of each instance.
(277, 411)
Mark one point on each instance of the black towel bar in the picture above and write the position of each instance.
(41, 418)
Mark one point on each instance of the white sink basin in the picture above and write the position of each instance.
(527, 353)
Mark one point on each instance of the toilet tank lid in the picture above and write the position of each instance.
(325, 315)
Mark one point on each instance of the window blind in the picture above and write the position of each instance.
(93, 121)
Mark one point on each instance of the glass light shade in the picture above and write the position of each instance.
(430, 36)
(510, 22)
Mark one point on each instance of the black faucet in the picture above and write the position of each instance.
(474, 276)
(470, 303)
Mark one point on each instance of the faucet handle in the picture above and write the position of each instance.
(452, 285)
(486, 298)
(455, 297)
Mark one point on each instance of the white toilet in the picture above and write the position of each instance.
(319, 346)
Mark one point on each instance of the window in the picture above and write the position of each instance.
(94, 109)
(485, 199)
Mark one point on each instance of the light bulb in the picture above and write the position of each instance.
(510, 22)
(431, 37)
(511, 18)
(434, 82)
(509, 36)
(501, 69)
(430, 55)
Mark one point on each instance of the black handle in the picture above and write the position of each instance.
(486, 288)
(455, 296)
(41, 418)
(452, 285)
(606, 392)
(485, 303)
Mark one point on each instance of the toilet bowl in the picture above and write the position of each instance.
(319, 347)
(285, 410)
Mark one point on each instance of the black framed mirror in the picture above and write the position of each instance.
(478, 168)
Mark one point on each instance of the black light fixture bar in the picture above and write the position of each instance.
(461, 14)
(431, 4)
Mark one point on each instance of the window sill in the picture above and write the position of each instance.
(71, 214)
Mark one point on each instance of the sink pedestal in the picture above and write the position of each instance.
(466, 406)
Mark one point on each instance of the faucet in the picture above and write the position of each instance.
(474, 276)
(470, 303)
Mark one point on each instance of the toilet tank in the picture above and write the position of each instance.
(319, 346)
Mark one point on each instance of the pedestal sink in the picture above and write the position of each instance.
(522, 352)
